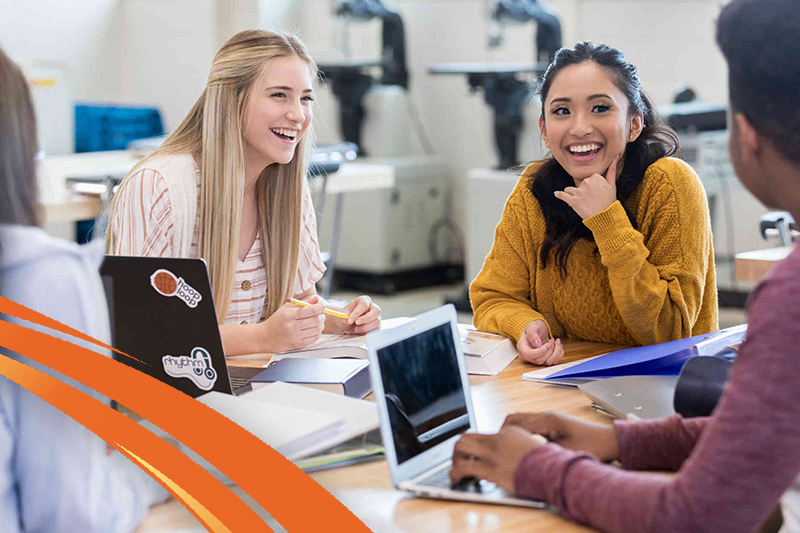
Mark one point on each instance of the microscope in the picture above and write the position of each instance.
(548, 28)
(348, 81)
(502, 90)
(398, 249)
(507, 95)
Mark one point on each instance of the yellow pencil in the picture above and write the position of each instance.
(326, 310)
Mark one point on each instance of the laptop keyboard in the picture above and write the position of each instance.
(238, 381)
(441, 480)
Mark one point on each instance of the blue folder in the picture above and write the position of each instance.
(664, 359)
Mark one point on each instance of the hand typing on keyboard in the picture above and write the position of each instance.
(465, 483)
(492, 458)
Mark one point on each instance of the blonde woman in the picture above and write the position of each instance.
(229, 185)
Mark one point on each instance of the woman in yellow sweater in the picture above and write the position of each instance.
(609, 239)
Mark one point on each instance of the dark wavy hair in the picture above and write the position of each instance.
(564, 226)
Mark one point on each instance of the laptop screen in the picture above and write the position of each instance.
(423, 389)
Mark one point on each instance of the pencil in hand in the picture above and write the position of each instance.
(327, 311)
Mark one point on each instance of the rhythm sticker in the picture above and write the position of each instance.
(196, 367)
(168, 284)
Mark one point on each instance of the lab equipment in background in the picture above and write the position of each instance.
(503, 91)
(548, 27)
(702, 130)
(348, 81)
(780, 225)
(507, 93)
(400, 238)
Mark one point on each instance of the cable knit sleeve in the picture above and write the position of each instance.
(661, 275)
(501, 294)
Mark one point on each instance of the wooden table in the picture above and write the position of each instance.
(59, 204)
(366, 489)
(755, 265)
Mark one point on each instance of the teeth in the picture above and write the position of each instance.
(584, 148)
(288, 133)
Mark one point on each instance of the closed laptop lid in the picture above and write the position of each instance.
(162, 313)
(421, 386)
(645, 397)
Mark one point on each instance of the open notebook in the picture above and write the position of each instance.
(486, 353)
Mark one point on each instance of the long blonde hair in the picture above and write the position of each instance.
(212, 132)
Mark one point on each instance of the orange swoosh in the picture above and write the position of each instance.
(211, 502)
(273, 481)
(10, 307)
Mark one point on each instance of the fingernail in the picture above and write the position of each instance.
(558, 341)
(537, 343)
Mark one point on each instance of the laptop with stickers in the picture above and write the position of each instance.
(162, 313)
(419, 378)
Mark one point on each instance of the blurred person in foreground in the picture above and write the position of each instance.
(55, 475)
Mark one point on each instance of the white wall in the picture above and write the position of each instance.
(79, 35)
(73, 46)
(671, 42)
(158, 52)
(167, 50)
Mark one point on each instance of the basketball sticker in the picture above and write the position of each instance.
(168, 284)
(196, 367)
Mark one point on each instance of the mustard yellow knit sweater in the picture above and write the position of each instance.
(647, 285)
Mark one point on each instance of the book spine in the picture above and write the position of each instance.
(359, 385)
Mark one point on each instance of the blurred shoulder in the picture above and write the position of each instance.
(172, 164)
(50, 275)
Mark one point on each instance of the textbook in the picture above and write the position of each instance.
(486, 353)
(341, 376)
(665, 359)
(359, 417)
(293, 431)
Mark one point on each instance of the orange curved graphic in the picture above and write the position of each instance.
(275, 483)
(211, 502)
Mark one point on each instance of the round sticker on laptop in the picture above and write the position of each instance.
(168, 284)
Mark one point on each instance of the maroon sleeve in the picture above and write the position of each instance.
(747, 455)
(658, 444)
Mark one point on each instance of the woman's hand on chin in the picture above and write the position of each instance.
(594, 195)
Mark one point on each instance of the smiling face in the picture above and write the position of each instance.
(587, 121)
(278, 112)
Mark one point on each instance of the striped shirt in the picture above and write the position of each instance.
(142, 225)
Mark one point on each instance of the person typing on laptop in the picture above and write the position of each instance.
(229, 186)
(734, 466)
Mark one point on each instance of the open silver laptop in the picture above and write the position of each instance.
(420, 382)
